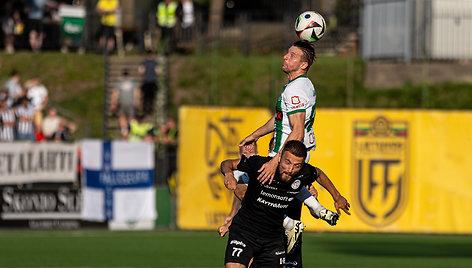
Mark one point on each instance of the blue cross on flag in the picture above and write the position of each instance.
(118, 181)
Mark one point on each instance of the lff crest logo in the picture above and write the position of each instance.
(380, 155)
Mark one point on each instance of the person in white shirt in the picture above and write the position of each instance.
(51, 123)
(38, 94)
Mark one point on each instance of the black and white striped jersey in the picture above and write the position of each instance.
(8, 123)
(25, 119)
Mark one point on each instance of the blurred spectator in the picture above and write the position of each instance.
(35, 22)
(4, 96)
(140, 130)
(38, 94)
(167, 19)
(72, 27)
(107, 10)
(7, 122)
(186, 14)
(13, 86)
(149, 69)
(168, 132)
(12, 26)
(125, 99)
(50, 123)
(168, 138)
(25, 114)
(62, 132)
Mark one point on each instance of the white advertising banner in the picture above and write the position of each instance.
(25, 162)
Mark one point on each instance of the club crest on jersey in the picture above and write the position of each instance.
(380, 153)
(295, 100)
(296, 184)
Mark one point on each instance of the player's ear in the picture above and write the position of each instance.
(304, 65)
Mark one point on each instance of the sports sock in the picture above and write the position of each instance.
(312, 203)
(288, 223)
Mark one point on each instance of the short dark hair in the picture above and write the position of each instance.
(308, 51)
(297, 148)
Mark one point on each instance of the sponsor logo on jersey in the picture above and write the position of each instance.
(237, 243)
(295, 100)
(298, 106)
(279, 252)
(296, 184)
(380, 168)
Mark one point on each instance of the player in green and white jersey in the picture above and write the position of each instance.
(298, 97)
(293, 120)
(295, 109)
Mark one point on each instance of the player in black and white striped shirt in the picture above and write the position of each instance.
(8, 122)
(25, 114)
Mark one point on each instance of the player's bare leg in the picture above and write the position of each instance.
(235, 265)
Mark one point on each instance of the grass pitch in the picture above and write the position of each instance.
(179, 249)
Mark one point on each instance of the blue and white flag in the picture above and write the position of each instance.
(118, 181)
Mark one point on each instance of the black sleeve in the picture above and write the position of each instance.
(252, 164)
(244, 164)
(313, 173)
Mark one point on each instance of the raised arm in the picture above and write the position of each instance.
(339, 201)
(262, 131)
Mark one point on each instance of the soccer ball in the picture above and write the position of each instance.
(310, 26)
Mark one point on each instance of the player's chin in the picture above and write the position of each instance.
(285, 177)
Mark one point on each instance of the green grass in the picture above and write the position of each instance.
(206, 249)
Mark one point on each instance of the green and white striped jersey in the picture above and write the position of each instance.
(298, 95)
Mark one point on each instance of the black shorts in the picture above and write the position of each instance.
(294, 258)
(107, 31)
(266, 252)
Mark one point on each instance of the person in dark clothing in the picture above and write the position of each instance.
(149, 69)
(257, 229)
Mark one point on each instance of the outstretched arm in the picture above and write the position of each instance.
(339, 201)
(262, 131)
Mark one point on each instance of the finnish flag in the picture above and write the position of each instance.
(118, 181)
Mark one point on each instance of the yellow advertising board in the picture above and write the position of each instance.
(401, 170)
(207, 136)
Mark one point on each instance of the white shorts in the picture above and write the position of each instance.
(241, 177)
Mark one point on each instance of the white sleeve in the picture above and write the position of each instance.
(295, 98)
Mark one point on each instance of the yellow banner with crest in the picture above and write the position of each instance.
(401, 170)
(207, 136)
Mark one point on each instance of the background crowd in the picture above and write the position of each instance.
(43, 24)
(25, 114)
